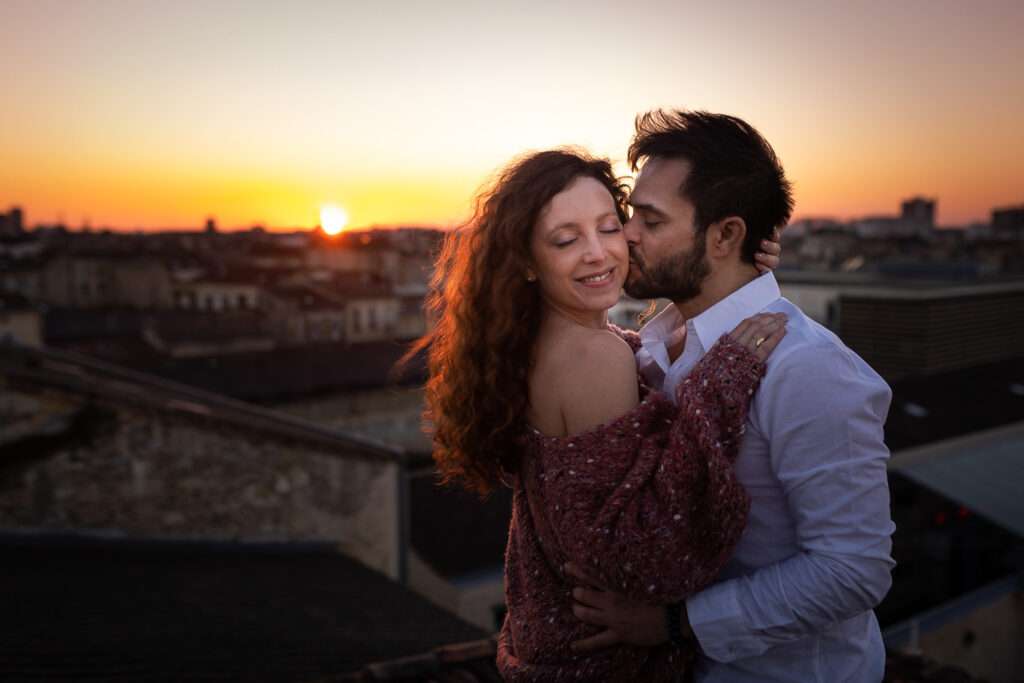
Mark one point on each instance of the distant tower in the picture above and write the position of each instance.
(211, 225)
(919, 211)
(1008, 223)
(16, 219)
(11, 222)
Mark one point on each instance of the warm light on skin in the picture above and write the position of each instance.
(333, 219)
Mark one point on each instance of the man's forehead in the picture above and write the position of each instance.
(662, 170)
(659, 177)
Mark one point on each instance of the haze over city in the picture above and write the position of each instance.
(145, 115)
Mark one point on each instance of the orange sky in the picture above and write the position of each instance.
(148, 114)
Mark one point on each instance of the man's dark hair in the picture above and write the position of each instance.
(733, 170)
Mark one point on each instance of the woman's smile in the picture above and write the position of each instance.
(597, 280)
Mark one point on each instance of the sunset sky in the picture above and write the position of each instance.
(158, 114)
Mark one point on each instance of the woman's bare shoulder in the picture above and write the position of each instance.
(593, 374)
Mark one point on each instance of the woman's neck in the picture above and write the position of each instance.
(555, 316)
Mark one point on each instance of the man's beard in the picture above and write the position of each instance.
(678, 277)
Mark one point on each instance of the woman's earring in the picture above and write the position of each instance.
(530, 277)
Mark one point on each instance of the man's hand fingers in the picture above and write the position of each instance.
(598, 642)
(576, 572)
(589, 614)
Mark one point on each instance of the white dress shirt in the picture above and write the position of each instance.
(795, 601)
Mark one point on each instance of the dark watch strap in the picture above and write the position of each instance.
(674, 614)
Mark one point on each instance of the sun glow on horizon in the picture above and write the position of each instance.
(863, 104)
(333, 219)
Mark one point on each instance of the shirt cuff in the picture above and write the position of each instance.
(717, 622)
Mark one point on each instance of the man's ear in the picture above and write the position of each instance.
(725, 237)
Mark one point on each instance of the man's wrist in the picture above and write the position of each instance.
(679, 630)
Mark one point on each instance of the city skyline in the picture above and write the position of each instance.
(140, 115)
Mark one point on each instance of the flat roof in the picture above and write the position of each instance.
(108, 608)
(982, 471)
(883, 286)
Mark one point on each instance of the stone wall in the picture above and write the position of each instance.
(149, 473)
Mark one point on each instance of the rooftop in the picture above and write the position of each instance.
(981, 471)
(933, 408)
(179, 610)
(12, 301)
(95, 380)
(881, 285)
(113, 609)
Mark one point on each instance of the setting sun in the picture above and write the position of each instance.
(333, 219)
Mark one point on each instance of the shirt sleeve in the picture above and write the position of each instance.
(823, 416)
(655, 509)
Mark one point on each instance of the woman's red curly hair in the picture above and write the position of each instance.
(488, 315)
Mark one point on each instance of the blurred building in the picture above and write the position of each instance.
(806, 226)
(904, 331)
(959, 547)
(24, 277)
(412, 318)
(372, 307)
(357, 252)
(827, 248)
(890, 227)
(20, 321)
(217, 294)
(89, 280)
(1008, 223)
(914, 327)
(206, 334)
(919, 211)
(12, 222)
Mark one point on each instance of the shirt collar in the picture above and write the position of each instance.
(659, 328)
(749, 299)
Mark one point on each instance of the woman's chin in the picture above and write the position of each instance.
(600, 304)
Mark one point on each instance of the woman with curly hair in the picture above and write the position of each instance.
(620, 481)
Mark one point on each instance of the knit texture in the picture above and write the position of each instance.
(648, 503)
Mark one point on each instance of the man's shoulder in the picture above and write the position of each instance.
(804, 335)
(811, 348)
(813, 373)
